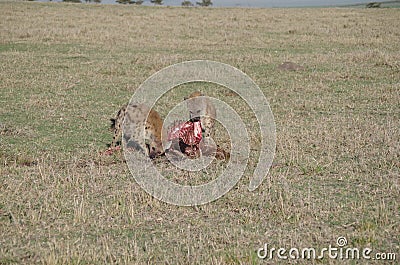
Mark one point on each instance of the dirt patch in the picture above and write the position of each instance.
(290, 66)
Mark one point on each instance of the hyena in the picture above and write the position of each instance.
(135, 121)
(202, 108)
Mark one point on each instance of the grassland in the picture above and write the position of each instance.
(65, 69)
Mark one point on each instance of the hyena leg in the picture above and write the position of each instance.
(116, 137)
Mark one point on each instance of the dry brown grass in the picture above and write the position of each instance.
(66, 68)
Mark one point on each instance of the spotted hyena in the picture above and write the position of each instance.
(135, 121)
(202, 108)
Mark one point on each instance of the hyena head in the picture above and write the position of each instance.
(196, 106)
(155, 148)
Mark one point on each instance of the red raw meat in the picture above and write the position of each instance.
(188, 132)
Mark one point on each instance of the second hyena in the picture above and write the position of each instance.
(202, 108)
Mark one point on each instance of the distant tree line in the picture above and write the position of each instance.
(139, 2)
(160, 2)
(373, 5)
(202, 3)
(187, 3)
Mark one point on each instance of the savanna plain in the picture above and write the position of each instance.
(65, 70)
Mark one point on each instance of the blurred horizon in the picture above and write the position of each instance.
(251, 3)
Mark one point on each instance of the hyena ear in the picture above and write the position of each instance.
(112, 123)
